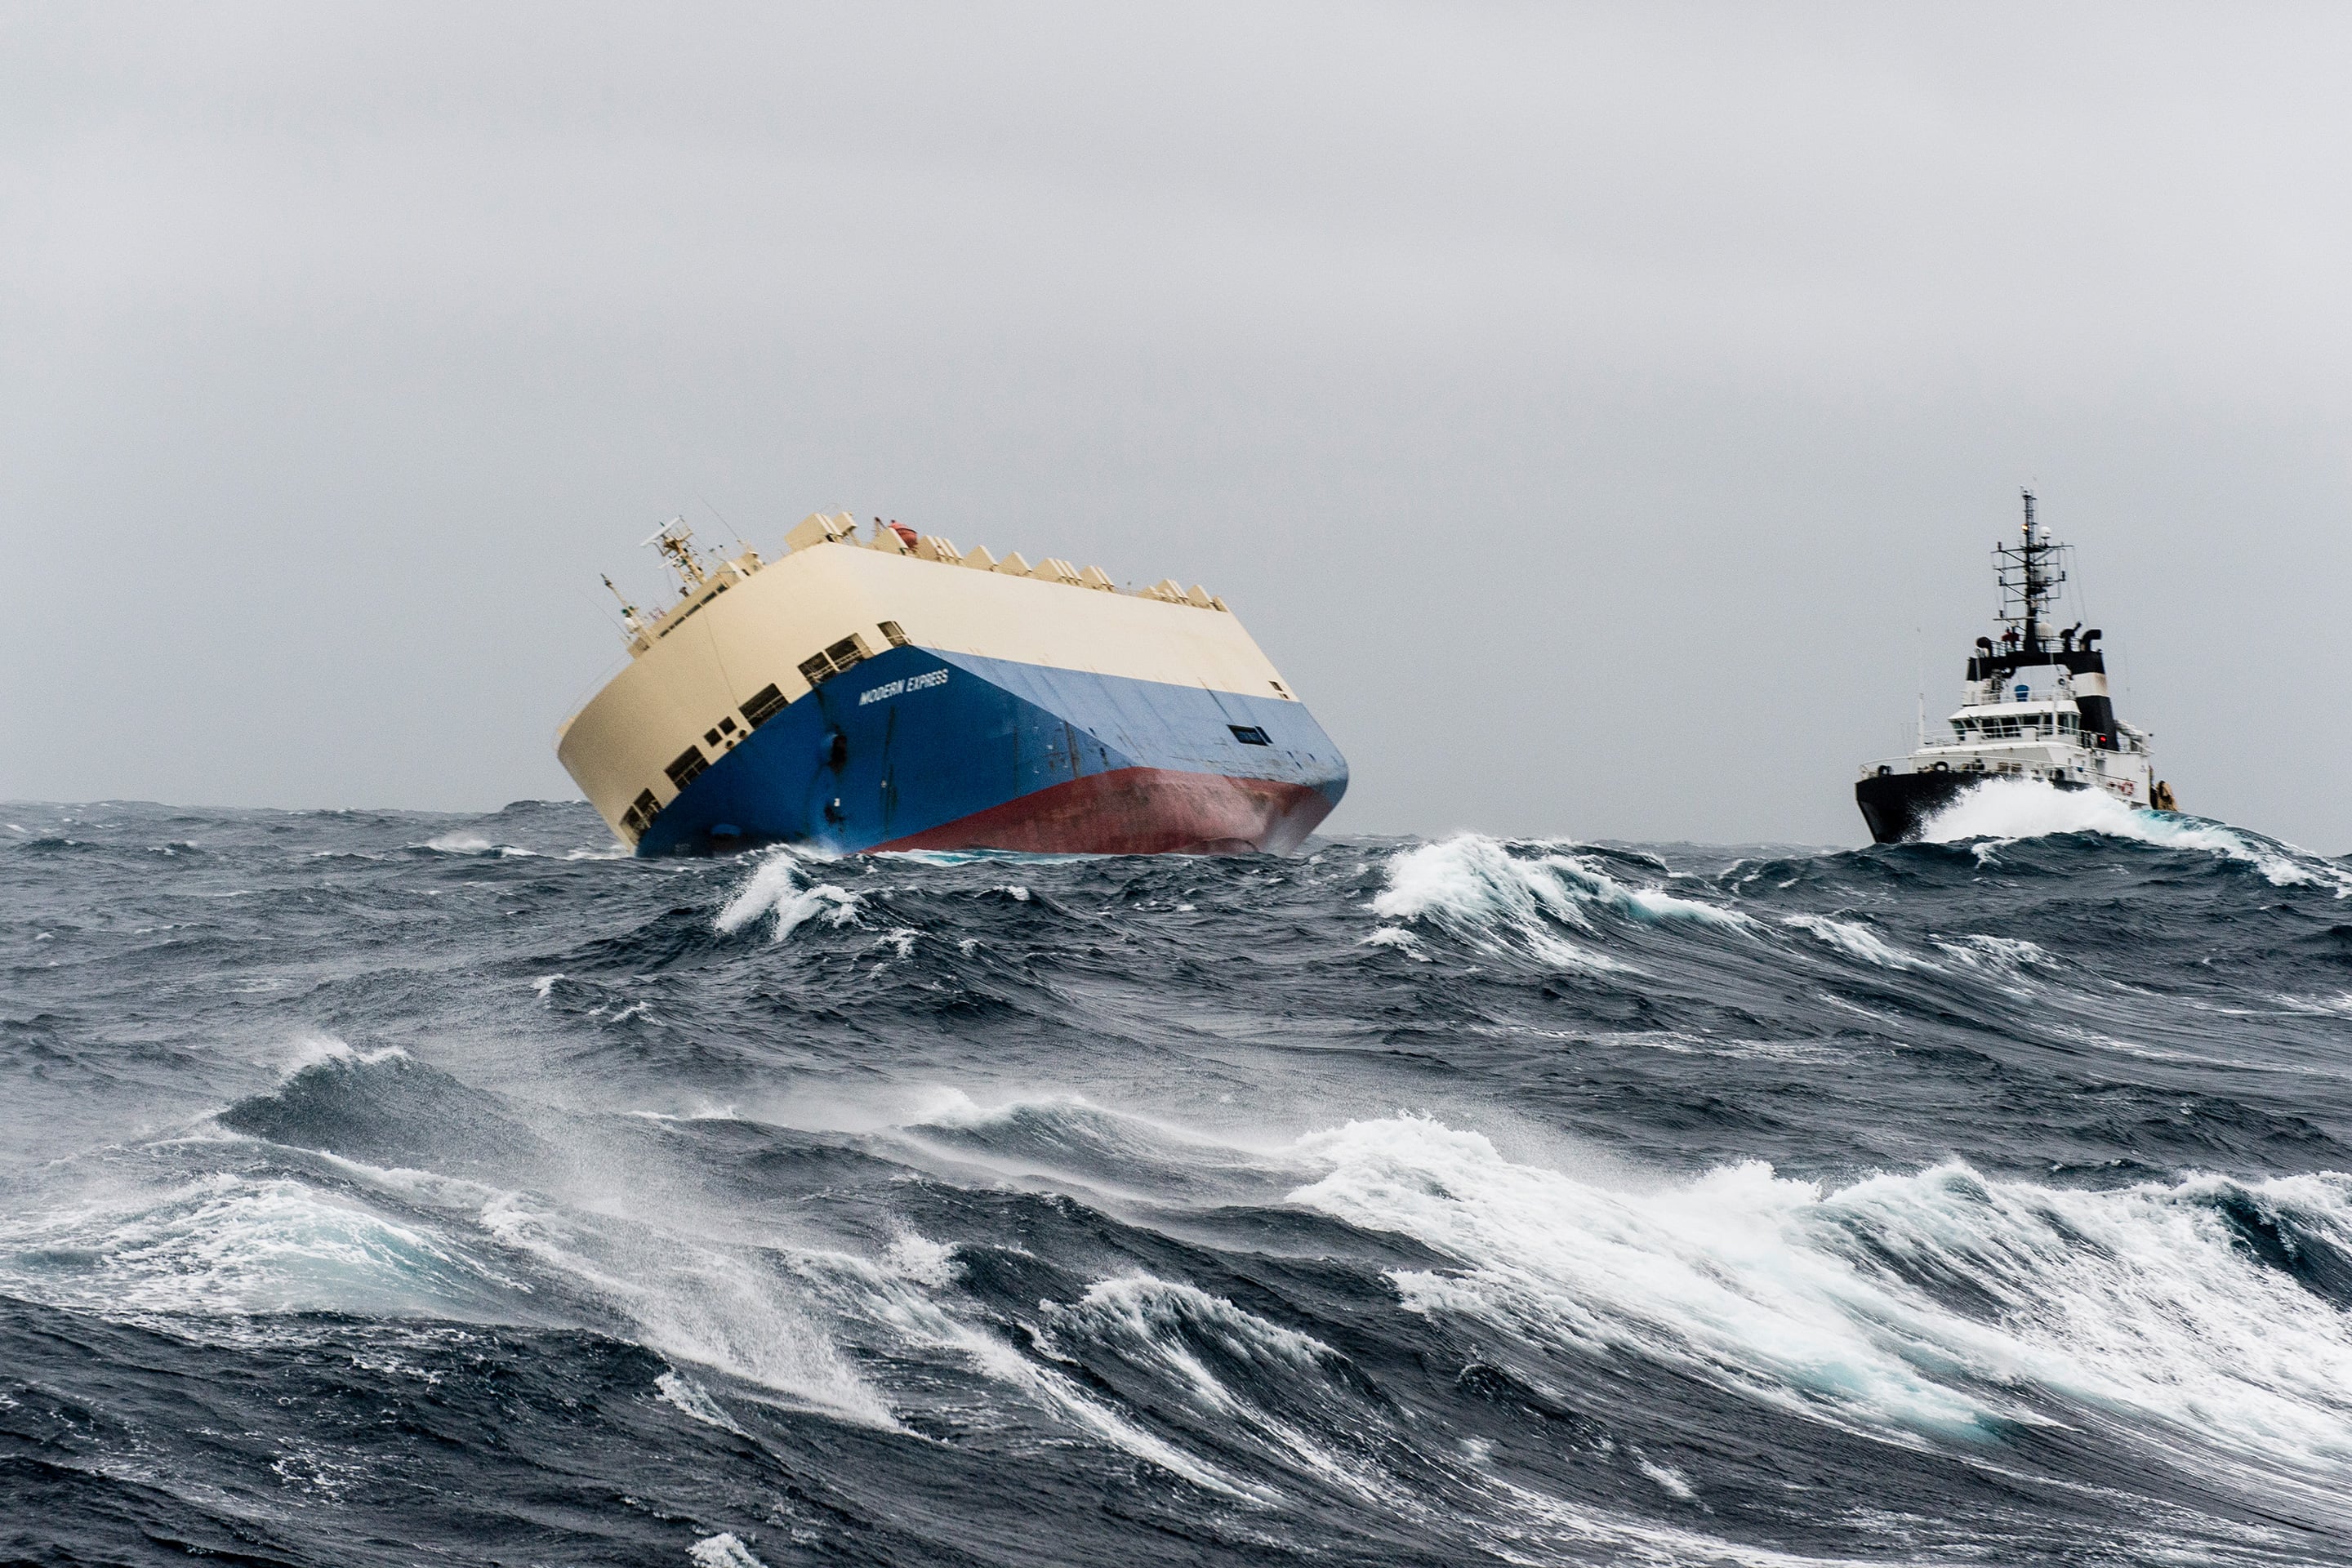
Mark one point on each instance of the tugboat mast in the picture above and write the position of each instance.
(2029, 577)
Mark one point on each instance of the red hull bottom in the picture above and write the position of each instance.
(1139, 811)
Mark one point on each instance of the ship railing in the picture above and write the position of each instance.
(2047, 759)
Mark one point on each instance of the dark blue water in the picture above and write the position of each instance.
(382, 1188)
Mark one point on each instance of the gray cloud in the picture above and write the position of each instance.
(1602, 414)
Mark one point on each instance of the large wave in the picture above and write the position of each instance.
(1939, 1301)
(1475, 1200)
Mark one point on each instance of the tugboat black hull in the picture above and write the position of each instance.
(1898, 806)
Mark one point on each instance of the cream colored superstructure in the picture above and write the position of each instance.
(745, 625)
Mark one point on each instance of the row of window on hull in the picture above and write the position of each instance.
(758, 709)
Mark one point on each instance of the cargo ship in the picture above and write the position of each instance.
(893, 693)
(2035, 706)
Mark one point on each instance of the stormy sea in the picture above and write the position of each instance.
(385, 1188)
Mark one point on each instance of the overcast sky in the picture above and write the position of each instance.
(1601, 413)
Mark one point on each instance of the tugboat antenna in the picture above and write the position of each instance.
(2033, 587)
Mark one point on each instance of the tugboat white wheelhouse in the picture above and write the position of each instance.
(2036, 707)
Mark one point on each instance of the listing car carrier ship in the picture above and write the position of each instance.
(2036, 707)
(898, 693)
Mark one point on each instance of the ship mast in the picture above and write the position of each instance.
(672, 540)
(2029, 577)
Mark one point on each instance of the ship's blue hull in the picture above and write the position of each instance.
(918, 749)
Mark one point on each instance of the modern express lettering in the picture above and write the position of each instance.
(890, 689)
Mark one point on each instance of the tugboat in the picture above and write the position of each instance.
(2036, 707)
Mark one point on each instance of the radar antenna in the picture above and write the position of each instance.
(673, 539)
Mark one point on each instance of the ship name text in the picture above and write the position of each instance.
(890, 689)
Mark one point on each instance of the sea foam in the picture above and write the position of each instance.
(2143, 1301)
(2009, 809)
(1497, 895)
(780, 888)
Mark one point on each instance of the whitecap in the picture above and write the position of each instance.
(1475, 887)
(458, 843)
(1396, 937)
(1153, 1322)
(777, 887)
(2003, 954)
(1471, 877)
(311, 1050)
(228, 1244)
(2004, 810)
(859, 1287)
(924, 1261)
(694, 1400)
(2141, 1304)
(722, 1550)
(1670, 1479)
(1855, 940)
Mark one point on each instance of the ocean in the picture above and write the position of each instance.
(391, 1188)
